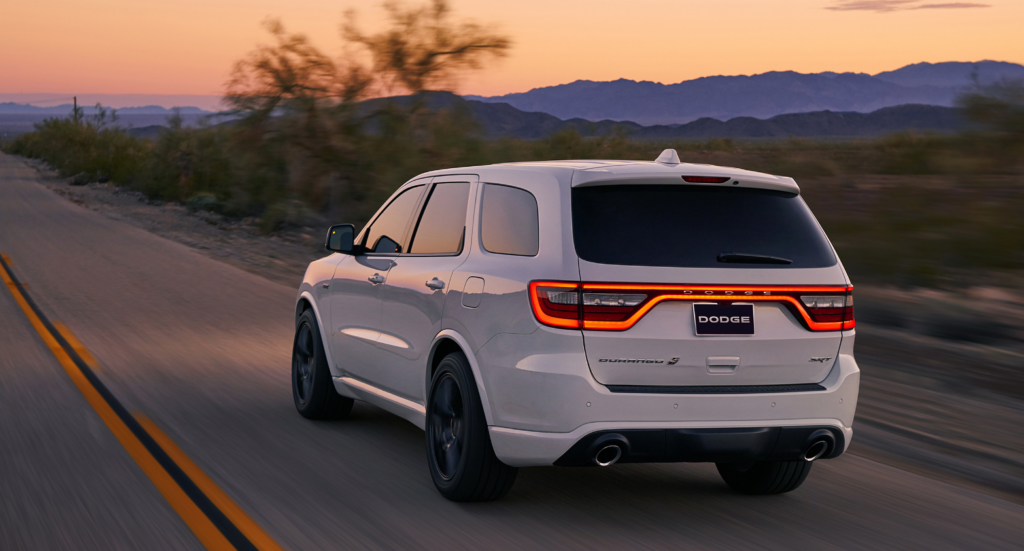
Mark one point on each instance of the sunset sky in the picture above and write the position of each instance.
(189, 46)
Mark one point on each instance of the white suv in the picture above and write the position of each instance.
(581, 313)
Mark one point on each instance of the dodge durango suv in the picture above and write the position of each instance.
(588, 313)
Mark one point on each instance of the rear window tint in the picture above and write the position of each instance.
(691, 226)
(508, 221)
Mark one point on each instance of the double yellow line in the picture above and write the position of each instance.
(216, 520)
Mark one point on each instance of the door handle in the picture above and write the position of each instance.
(376, 279)
(435, 284)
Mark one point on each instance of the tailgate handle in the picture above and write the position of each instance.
(722, 365)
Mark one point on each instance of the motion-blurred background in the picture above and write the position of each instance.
(916, 172)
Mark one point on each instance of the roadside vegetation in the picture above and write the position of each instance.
(312, 136)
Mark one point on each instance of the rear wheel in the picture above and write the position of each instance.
(764, 477)
(312, 388)
(459, 453)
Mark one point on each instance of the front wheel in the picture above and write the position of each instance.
(764, 477)
(312, 387)
(459, 453)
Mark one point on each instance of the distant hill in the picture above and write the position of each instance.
(11, 108)
(952, 74)
(502, 120)
(763, 96)
(817, 124)
(497, 120)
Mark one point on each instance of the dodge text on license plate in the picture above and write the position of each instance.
(719, 319)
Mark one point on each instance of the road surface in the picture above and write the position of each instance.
(202, 350)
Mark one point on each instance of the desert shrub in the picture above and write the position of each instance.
(285, 213)
(184, 162)
(204, 200)
(95, 147)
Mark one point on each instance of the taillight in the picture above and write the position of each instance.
(556, 304)
(830, 308)
(617, 307)
(561, 304)
(599, 308)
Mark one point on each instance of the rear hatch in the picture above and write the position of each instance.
(705, 285)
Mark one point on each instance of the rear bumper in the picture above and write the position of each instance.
(726, 442)
(687, 424)
(726, 445)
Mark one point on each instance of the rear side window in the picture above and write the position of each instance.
(508, 221)
(696, 227)
(443, 223)
(387, 234)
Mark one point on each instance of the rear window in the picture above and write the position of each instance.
(696, 227)
(508, 221)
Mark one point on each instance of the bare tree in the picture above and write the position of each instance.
(313, 107)
(292, 73)
(424, 49)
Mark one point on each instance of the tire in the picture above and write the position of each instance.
(312, 387)
(459, 453)
(765, 477)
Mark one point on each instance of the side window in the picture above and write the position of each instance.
(387, 234)
(443, 223)
(508, 221)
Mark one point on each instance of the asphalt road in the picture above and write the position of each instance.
(202, 349)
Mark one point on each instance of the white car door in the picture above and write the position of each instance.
(355, 290)
(414, 295)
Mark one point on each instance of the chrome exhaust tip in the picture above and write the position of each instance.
(816, 450)
(608, 455)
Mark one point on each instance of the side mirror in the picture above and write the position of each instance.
(341, 238)
(387, 245)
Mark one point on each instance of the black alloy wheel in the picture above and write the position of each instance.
(447, 426)
(303, 362)
(461, 459)
(312, 388)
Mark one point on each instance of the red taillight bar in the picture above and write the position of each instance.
(561, 315)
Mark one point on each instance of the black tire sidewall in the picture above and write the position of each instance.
(477, 441)
(765, 477)
(307, 407)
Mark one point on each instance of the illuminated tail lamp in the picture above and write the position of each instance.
(829, 308)
(705, 179)
(615, 307)
(556, 304)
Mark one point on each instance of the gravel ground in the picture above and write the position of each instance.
(281, 257)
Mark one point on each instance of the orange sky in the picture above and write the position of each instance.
(188, 46)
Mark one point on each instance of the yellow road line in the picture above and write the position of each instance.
(77, 346)
(256, 535)
(199, 523)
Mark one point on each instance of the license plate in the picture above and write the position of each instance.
(710, 319)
